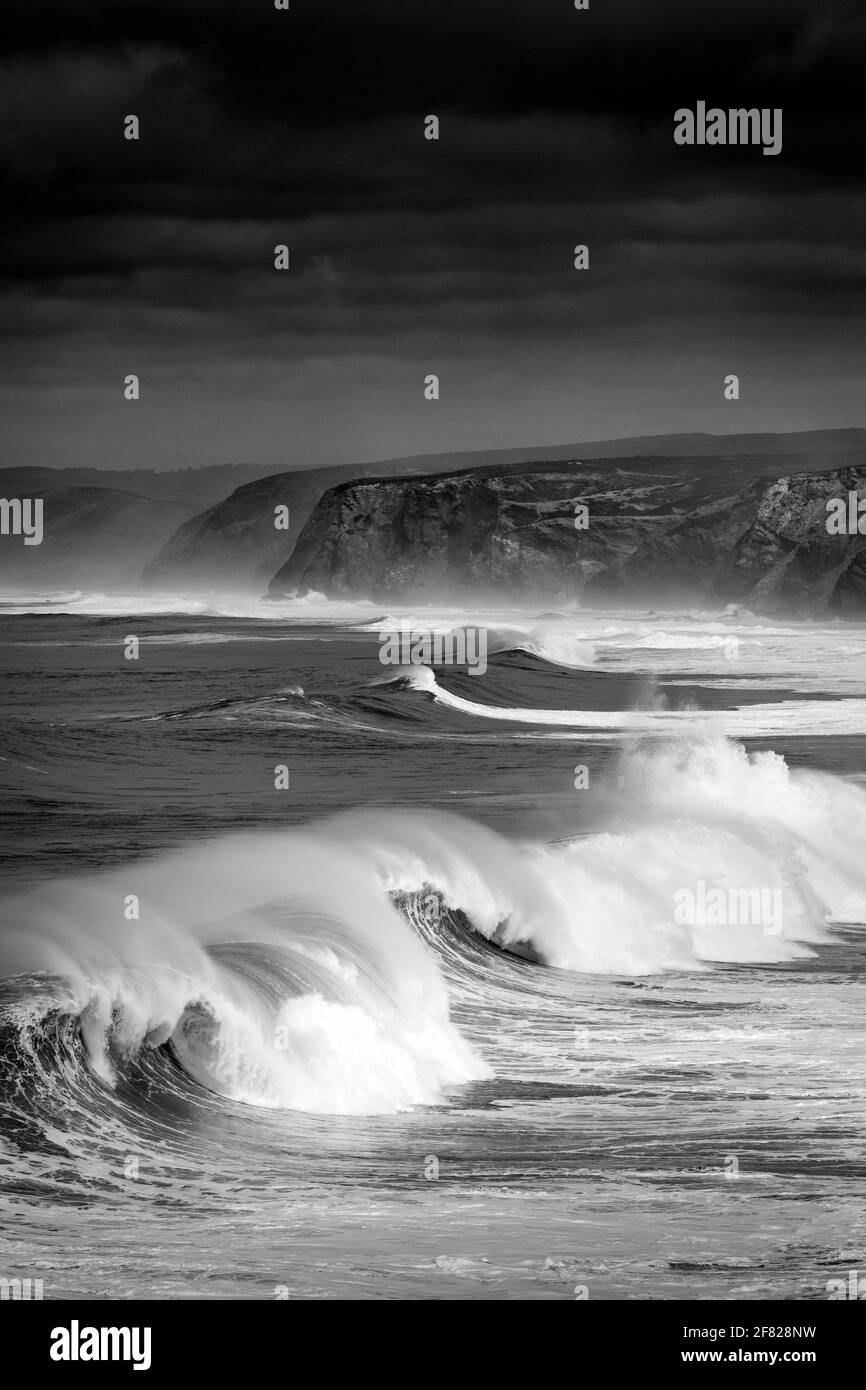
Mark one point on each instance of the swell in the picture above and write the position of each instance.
(519, 694)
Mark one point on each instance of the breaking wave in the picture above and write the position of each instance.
(281, 969)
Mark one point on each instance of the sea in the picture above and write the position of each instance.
(325, 977)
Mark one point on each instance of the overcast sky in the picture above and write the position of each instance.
(412, 257)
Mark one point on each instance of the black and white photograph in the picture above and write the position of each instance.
(433, 661)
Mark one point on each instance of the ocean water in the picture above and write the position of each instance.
(429, 1021)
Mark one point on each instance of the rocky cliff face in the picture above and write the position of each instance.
(658, 530)
(768, 547)
(789, 559)
(232, 543)
(235, 544)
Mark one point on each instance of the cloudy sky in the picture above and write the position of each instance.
(412, 257)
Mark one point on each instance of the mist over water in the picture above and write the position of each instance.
(432, 945)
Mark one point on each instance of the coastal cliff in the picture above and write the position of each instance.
(652, 529)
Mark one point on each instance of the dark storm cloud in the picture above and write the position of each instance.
(332, 58)
(306, 128)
